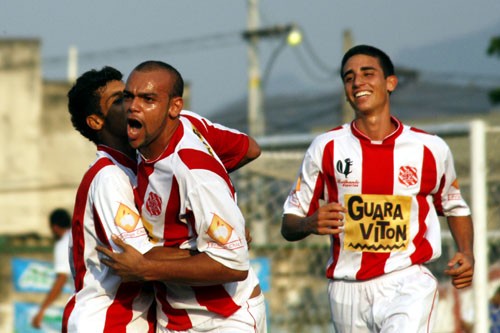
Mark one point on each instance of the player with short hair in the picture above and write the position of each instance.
(376, 187)
(189, 201)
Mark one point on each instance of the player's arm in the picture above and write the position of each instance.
(461, 266)
(327, 220)
(52, 295)
(252, 153)
(166, 253)
(234, 148)
(194, 270)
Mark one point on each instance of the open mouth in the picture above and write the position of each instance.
(134, 124)
(133, 129)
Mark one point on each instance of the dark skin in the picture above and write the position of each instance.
(186, 269)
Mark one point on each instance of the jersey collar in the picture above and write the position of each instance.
(387, 140)
(119, 156)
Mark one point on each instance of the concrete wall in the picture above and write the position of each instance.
(43, 157)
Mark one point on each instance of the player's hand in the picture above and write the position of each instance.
(461, 270)
(126, 264)
(327, 220)
(37, 320)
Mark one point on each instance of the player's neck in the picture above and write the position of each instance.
(376, 126)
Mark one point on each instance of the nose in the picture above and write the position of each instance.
(357, 80)
(131, 104)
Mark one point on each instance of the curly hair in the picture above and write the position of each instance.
(84, 98)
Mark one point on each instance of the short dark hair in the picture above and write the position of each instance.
(84, 98)
(60, 217)
(151, 65)
(383, 58)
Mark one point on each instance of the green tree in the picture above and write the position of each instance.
(494, 50)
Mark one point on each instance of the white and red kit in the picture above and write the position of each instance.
(189, 202)
(393, 190)
(229, 144)
(104, 206)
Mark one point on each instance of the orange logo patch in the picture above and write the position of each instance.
(126, 218)
(220, 231)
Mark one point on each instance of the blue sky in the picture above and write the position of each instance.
(202, 38)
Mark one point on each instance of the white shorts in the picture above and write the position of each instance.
(250, 318)
(401, 301)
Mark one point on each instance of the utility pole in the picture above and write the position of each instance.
(72, 64)
(347, 111)
(256, 119)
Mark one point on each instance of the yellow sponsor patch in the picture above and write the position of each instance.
(220, 231)
(377, 223)
(126, 218)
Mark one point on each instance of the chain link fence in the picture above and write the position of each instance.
(297, 299)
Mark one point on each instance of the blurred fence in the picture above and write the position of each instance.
(297, 298)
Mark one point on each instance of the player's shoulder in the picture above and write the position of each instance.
(106, 170)
(190, 114)
(424, 135)
(335, 133)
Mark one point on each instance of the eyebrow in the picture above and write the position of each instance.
(363, 69)
(116, 94)
(140, 94)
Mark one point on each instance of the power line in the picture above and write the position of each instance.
(219, 40)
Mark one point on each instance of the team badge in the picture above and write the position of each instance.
(126, 218)
(153, 204)
(407, 175)
(220, 231)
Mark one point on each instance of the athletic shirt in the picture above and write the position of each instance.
(104, 206)
(229, 145)
(61, 260)
(393, 189)
(188, 201)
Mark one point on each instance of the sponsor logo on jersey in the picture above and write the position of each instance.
(377, 223)
(153, 204)
(220, 231)
(126, 218)
(344, 167)
(408, 175)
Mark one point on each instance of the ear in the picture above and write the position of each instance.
(392, 82)
(95, 122)
(176, 105)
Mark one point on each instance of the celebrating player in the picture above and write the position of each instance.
(188, 201)
(384, 184)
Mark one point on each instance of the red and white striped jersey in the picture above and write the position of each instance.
(229, 144)
(104, 206)
(189, 202)
(393, 190)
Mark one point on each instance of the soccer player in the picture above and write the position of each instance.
(376, 187)
(189, 201)
(105, 206)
